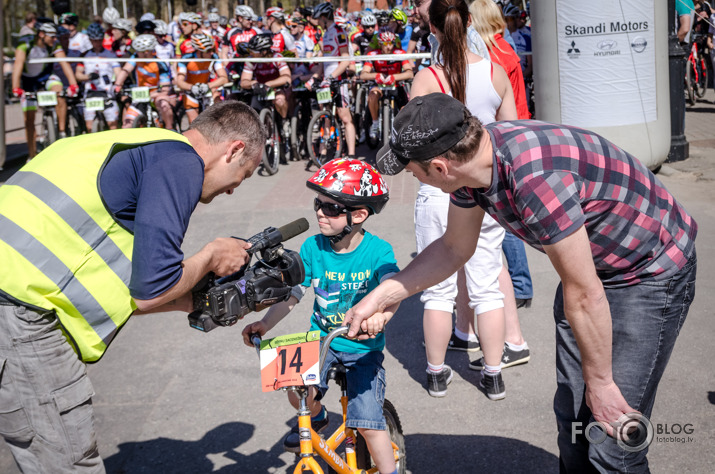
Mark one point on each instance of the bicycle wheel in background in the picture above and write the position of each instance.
(75, 123)
(271, 151)
(50, 125)
(702, 78)
(360, 107)
(386, 123)
(690, 83)
(99, 124)
(394, 428)
(325, 140)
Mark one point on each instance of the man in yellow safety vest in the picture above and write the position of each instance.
(90, 232)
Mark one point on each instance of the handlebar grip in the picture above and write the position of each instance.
(256, 340)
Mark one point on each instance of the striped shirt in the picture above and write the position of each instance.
(549, 180)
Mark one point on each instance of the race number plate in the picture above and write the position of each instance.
(271, 94)
(324, 95)
(47, 98)
(140, 94)
(290, 360)
(94, 104)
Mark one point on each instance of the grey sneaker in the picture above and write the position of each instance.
(509, 358)
(493, 386)
(291, 443)
(457, 344)
(437, 383)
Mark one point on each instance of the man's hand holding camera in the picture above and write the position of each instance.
(227, 255)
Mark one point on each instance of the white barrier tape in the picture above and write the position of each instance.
(318, 59)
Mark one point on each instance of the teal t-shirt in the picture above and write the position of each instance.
(684, 7)
(341, 280)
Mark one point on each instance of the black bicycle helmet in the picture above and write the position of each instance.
(95, 31)
(145, 27)
(324, 9)
(69, 18)
(260, 43)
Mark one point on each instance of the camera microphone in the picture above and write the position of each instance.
(272, 236)
(294, 228)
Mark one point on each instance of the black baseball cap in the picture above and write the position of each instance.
(426, 127)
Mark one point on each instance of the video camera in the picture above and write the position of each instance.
(223, 301)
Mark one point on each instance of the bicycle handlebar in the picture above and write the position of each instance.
(325, 343)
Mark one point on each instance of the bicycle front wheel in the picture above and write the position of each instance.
(702, 79)
(690, 83)
(75, 123)
(394, 429)
(271, 151)
(386, 123)
(50, 128)
(325, 140)
(100, 123)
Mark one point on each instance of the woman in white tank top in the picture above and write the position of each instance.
(486, 91)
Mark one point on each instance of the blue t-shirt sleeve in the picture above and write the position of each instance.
(385, 263)
(306, 252)
(168, 191)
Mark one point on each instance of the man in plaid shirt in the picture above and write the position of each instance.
(622, 245)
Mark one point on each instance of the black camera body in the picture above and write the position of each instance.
(224, 301)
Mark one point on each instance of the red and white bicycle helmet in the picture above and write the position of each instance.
(275, 12)
(386, 36)
(352, 183)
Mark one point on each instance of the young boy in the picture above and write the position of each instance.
(344, 263)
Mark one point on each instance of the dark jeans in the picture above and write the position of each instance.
(647, 318)
(518, 266)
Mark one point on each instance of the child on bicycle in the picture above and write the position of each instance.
(342, 264)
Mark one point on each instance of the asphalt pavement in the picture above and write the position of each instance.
(170, 399)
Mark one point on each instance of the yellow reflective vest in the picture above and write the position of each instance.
(60, 247)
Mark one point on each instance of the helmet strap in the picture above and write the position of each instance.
(334, 239)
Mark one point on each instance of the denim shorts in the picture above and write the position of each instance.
(366, 387)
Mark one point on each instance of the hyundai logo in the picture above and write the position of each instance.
(606, 45)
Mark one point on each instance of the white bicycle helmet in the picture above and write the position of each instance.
(110, 15)
(213, 17)
(191, 17)
(48, 28)
(161, 28)
(368, 20)
(243, 11)
(144, 43)
(123, 24)
(147, 17)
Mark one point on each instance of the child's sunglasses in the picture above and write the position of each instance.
(330, 209)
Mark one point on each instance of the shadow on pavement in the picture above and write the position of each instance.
(215, 452)
(404, 336)
(473, 453)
